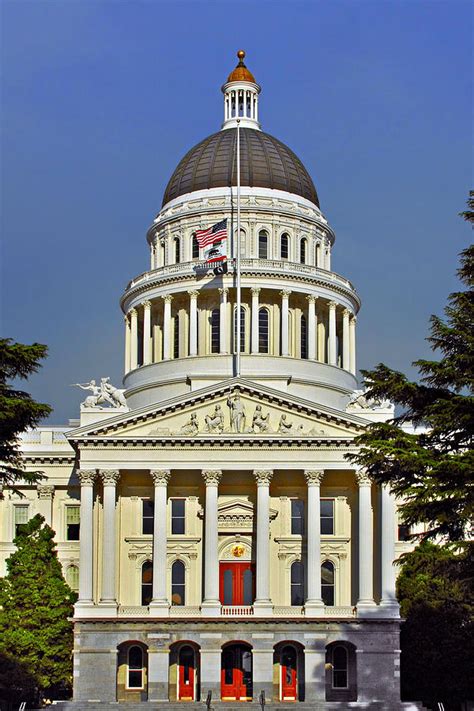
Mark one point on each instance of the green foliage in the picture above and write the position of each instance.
(437, 638)
(35, 604)
(18, 410)
(431, 470)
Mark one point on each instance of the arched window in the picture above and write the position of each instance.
(327, 582)
(178, 583)
(303, 251)
(194, 247)
(215, 331)
(284, 245)
(242, 330)
(263, 244)
(177, 250)
(297, 583)
(72, 577)
(339, 667)
(304, 337)
(176, 337)
(147, 582)
(318, 255)
(135, 675)
(263, 331)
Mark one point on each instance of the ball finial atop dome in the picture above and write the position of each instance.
(241, 73)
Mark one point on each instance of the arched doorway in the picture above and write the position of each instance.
(187, 673)
(236, 672)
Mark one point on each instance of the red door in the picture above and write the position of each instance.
(236, 673)
(288, 674)
(186, 664)
(236, 583)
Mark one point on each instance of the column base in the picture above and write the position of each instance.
(389, 608)
(159, 608)
(211, 608)
(263, 608)
(106, 608)
(314, 608)
(367, 608)
(84, 608)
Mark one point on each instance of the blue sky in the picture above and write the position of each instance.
(101, 99)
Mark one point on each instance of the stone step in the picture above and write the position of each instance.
(237, 706)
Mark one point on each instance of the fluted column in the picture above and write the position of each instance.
(312, 326)
(223, 320)
(352, 347)
(332, 349)
(314, 605)
(110, 478)
(146, 332)
(133, 339)
(167, 326)
(285, 345)
(159, 605)
(193, 313)
(365, 603)
(254, 345)
(126, 319)
(345, 340)
(211, 603)
(263, 604)
(86, 478)
(389, 600)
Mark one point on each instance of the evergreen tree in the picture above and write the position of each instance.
(431, 471)
(18, 410)
(437, 637)
(35, 604)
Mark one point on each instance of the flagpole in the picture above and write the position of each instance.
(238, 255)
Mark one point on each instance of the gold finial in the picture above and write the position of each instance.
(241, 55)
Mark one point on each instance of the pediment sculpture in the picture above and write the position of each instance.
(103, 394)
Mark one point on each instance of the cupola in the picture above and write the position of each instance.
(241, 97)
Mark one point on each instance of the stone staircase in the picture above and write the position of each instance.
(238, 706)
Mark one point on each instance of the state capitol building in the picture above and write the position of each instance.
(217, 536)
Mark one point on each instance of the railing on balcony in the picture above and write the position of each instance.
(287, 611)
(236, 610)
(133, 611)
(273, 266)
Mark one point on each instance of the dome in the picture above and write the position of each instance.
(265, 163)
(241, 73)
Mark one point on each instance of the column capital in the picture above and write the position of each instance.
(160, 477)
(314, 477)
(132, 312)
(126, 318)
(311, 298)
(346, 313)
(193, 293)
(263, 477)
(362, 478)
(110, 477)
(167, 298)
(212, 477)
(285, 293)
(332, 305)
(353, 319)
(146, 304)
(86, 476)
(255, 290)
(223, 291)
(45, 491)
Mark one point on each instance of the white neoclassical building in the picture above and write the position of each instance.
(218, 537)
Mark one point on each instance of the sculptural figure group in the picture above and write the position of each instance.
(102, 394)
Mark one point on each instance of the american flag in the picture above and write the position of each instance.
(212, 234)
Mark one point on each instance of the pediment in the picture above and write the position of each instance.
(235, 409)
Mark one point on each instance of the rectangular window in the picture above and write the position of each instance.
(73, 514)
(177, 516)
(21, 517)
(297, 516)
(327, 517)
(403, 532)
(148, 508)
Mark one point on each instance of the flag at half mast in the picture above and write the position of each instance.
(212, 234)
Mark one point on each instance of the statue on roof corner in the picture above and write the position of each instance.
(105, 393)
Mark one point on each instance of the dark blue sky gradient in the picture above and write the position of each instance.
(102, 99)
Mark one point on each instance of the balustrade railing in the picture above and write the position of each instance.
(236, 610)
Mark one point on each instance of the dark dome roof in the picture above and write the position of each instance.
(265, 163)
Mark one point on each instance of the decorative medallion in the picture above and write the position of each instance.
(238, 551)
